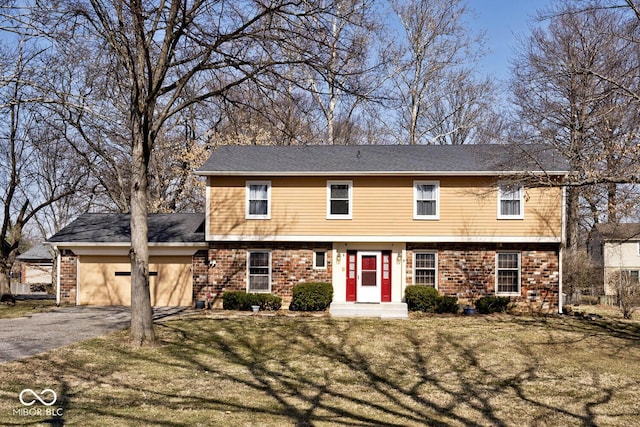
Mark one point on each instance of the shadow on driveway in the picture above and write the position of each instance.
(27, 336)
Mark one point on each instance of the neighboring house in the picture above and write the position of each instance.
(36, 270)
(616, 247)
(371, 220)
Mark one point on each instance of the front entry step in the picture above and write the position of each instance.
(385, 310)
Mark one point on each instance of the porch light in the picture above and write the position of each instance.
(399, 258)
(338, 257)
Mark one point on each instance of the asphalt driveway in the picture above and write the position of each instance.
(27, 336)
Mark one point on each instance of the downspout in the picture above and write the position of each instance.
(563, 239)
(58, 258)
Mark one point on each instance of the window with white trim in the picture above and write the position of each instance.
(426, 204)
(320, 260)
(258, 271)
(510, 201)
(508, 273)
(339, 199)
(258, 200)
(425, 269)
(632, 275)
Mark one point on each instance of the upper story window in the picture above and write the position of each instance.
(258, 200)
(339, 199)
(508, 273)
(426, 199)
(510, 201)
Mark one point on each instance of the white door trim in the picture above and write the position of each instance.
(369, 294)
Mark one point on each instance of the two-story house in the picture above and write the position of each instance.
(373, 219)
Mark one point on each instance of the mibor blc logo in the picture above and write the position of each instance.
(46, 397)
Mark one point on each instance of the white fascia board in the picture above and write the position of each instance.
(122, 249)
(385, 239)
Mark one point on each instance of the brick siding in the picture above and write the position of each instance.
(468, 270)
(291, 263)
(68, 277)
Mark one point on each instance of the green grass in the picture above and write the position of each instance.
(280, 371)
(25, 308)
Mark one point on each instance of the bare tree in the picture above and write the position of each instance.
(167, 57)
(463, 110)
(438, 47)
(591, 121)
(36, 169)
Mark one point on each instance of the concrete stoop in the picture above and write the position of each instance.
(385, 310)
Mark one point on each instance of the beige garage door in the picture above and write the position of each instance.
(107, 281)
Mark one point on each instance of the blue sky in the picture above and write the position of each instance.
(503, 21)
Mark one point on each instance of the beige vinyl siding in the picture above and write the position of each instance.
(382, 206)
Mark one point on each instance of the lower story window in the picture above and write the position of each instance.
(632, 275)
(259, 271)
(508, 273)
(320, 260)
(424, 270)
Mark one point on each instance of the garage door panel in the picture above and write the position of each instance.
(99, 283)
(174, 282)
(107, 281)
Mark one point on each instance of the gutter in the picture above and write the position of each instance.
(375, 173)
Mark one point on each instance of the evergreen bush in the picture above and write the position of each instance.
(446, 304)
(313, 296)
(421, 298)
(492, 304)
(427, 299)
(240, 300)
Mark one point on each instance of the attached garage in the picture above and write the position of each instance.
(94, 267)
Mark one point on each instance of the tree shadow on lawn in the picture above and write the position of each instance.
(328, 372)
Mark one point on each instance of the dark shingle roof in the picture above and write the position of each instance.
(623, 231)
(115, 228)
(37, 253)
(381, 159)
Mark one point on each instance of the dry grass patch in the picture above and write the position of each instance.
(26, 308)
(455, 371)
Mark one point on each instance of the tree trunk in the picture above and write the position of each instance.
(612, 203)
(5, 280)
(142, 331)
(572, 217)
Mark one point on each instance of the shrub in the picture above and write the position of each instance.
(627, 291)
(446, 304)
(492, 304)
(240, 300)
(314, 296)
(421, 298)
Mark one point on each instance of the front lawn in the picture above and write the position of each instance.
(26, 308)
(310, 371)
